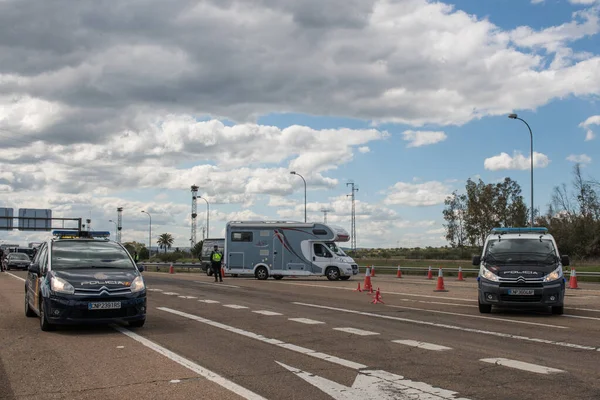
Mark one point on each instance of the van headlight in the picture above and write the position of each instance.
(554, 275)
(487, 274)
(137, 285)
(59, 285)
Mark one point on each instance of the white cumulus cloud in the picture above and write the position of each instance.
(417, 194)
(423, 138)
(593, 120)
(581, 158)
(517, 162)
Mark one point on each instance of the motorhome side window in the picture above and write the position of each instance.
(320, 232)
(321, 251)
(241, 236)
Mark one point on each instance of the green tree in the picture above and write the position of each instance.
(165, 241)
(197, 249)
(454, 214)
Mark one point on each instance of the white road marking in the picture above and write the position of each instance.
(355, 331)
(375, 385)
(266, 312)
(174, 381)
(422, 345)
(482, 317)
(171, 293)
(523, 366)
(218, 284)
(209, 301)
(580, 317)
(454, 327)
(582, 309)
(306, 321)
(235, 306)
(274, 342)
(386, 292)
(154, 290)
(211, 376)
(15, 276)
(120, 347)
(440, 303)
(187, 297)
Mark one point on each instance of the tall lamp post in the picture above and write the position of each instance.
(110, 220)
(149, 234)
(207, 217)
(295, 173)
(514, 116)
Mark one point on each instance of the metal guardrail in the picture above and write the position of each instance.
(424, 270)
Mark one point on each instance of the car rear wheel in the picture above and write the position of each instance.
(485, 308)
(558, 310)
(209, 271)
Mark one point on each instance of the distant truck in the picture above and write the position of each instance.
(285, 248)
(521, 267)
(208, 246)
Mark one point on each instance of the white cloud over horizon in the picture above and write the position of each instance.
(518, 161)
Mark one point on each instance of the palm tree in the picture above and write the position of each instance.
(165, 241)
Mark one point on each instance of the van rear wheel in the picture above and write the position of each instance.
(261, 273)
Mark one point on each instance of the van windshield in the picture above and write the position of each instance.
(520, 251)
(336, 250)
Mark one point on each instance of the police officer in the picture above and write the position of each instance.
(136, 256)
(215, 262)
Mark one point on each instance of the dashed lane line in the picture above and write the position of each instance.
(481, 317)
(453, 327)
(523, 366)
(15, 276)
(307, 321)
(206, 373)
(422, 345)
(234, 306)
(274, 342)
(219, 284)
(355, 331)
(266, 312)
(209, 301)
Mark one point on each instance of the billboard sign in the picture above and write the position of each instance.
(6, 219)
(35, 219)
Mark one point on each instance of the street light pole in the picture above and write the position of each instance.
(110, 220)
(149, 234)
(304, 180)
(207, 217)
(514, 116)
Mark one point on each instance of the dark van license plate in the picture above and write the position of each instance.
(521, 292)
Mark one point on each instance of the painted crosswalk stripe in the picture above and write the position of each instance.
(209, 301)
(539, 369)
(234, 306)
(355, 331)
(265, 312)
(422, 345)
(306, 321)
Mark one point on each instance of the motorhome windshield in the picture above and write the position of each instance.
(519, 251)
(336, 250)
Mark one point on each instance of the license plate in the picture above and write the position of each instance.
(105, 305)
(521, 292)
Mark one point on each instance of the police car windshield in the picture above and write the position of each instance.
(333, 247)
(516, 251)
(80, 254)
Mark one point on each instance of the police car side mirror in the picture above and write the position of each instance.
(564, 260)
(476, 260)
(34, 268)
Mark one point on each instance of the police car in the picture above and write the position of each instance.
(80, 277)
(521, 267)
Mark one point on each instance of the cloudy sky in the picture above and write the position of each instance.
(129, 103)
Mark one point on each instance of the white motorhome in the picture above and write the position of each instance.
(286, 248)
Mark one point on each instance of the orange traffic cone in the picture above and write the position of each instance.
(171, 269)
(460, 275)
(370, 291)
(429, 273)
(440, 282)
(222, 272)
(573, 280)
(358, 289)
(377, 298)
(372, 271)
(399, 273)
(367, 283)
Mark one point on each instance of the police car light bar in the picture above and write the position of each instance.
(73, 234)
(499, 231)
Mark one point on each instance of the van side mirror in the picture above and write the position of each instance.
(564, 260)
(476, 260)
(34, 268)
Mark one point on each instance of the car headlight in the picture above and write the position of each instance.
(487, 274)
(59, 285)
(137, 285)
(554, 275)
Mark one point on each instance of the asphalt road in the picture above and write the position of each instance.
(307, 339)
